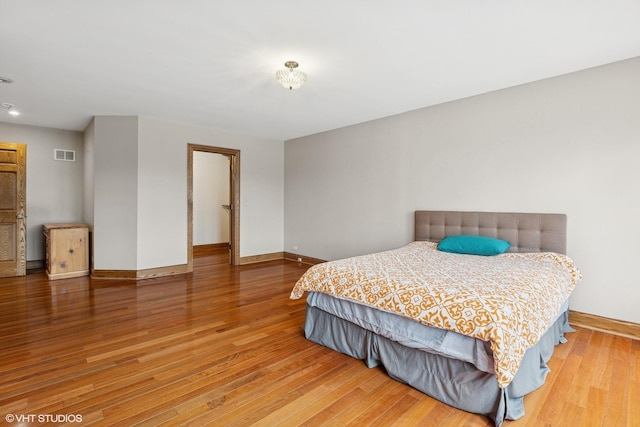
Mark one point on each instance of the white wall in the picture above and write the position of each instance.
(569, 144)
(54, 188)
(115, 192)
(140, 190)
(211, 221)
(162, 190)
(89, 173)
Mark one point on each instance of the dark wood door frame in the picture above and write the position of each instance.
(234, 196)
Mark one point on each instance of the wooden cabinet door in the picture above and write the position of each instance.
(69, 251)
(13, 219)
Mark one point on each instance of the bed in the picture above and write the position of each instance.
(478, 341)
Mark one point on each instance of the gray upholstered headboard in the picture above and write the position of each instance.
(527, 232)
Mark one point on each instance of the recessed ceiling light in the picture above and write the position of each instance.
(10, 109)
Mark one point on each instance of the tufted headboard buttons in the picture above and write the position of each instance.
(527, 232)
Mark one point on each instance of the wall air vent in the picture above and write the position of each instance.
(64, 155)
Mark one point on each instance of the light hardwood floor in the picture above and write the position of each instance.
(224, 346)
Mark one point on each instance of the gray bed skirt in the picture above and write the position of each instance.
(454, 382)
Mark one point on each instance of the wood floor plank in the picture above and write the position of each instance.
(278, 393)
(596, 402)
(412, 416)
(390, 415)
(633, 403)
(369, 407)
(343, 392)
(380, 401)
(224, 346)
(579, 392)
(617, 395)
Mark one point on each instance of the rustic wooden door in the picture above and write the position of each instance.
(13, 204)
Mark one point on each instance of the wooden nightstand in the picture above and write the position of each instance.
(67, 250)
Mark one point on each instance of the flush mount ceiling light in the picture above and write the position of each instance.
(291, 78)
(10, 109)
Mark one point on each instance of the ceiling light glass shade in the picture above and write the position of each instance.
(291, 78)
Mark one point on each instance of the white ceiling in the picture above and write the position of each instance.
(212, 63)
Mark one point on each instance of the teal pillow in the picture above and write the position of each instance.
(473, 245)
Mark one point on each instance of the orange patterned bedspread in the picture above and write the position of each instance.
(509, 300)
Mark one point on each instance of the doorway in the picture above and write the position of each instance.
(233, 207)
